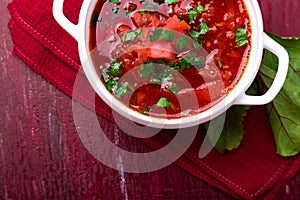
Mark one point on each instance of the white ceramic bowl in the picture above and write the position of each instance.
(237, 96)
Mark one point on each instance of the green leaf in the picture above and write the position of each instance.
(146, 70)
(233, 132)
(170, 1)
(284, 110)
(200, 8)
(195, 61)
(182, 42)
(111, 85)
(241, 37)
(195, 35)
(115, 68)
(162, 34)
(131, 35)
(175, 89)
(197, 46)
(204, 28)
(121, 91)
(114, 1)
(192, 15)
(115, 10)
(163, 102)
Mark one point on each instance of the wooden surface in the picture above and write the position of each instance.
(38, 138)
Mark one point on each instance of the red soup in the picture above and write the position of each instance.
(170, 58)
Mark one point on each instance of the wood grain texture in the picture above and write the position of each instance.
(41, 156)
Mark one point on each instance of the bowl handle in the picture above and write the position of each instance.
(279, 79)
(61, 19)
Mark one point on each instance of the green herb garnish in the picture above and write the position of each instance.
(163, 102)
(195, 61)
(170, 1)
(146, 110)
(220, 63)
(114, 1)
(146, 69)
(155, 79)
(240, 37)
(183, 41)
(175, 89)
(203, 28)
(195, 35)
(131, 35)
(162, 34)
(200, 8)
(197, 46)
(184, 64)
(192, 15)
(115, 10)
(165, 76)
(121, 91)
(115, 68)
(111, 85)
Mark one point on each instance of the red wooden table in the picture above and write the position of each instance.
(39, 147)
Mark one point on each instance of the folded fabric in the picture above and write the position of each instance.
(253, 170)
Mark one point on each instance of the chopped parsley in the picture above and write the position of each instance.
(114, 1)
(163, 102)
(146, 69)
(131, 35)
(165, 76)
(193, 60)
(112, 74)
(170, 1)
(162, 34)
(146, 110)
(115, 10)
(121, 91)
(183, 41)
(195, 35)
(240, 37)
(184, 64)
(220, 64)
(197, 46)
(203, 28)
(192, 15)
(200, 8)
(155, 79)
(115, 68)
(127, 13)
(111, 85)
(175, 89)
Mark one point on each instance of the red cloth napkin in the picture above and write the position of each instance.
(254, 170)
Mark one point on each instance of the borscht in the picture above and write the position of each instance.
(170, 58)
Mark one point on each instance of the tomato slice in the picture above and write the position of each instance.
(173, 23)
